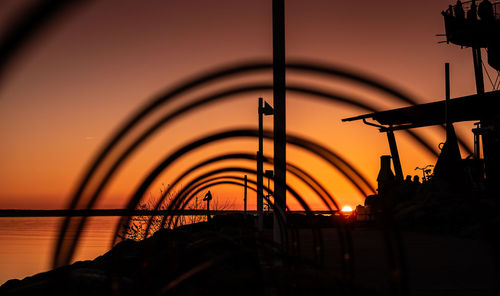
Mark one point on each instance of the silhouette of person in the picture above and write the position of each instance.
(472, 13)
(408, 179)
(416, 179)
(485, 11)
(459, 10)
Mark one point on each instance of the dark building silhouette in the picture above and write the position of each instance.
(450, 167)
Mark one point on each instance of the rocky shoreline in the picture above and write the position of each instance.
(224, 256)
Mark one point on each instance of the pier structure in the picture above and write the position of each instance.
(466, 25)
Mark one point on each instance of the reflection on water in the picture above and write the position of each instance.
(26, 244)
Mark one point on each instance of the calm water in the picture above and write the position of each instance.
(26, 244)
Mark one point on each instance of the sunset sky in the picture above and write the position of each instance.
(78, 82)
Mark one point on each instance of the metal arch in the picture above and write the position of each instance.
(317, 149)
(321, 151)
(229, 177)
(318, 248)
(148, 226)
(301, 174)
(90, 201)
(197, 190)
(189, 193)
(223, 94)
(212, 184)
(213, 98)
(247, 156)
(25, 26)
(28, 30)
(229, 71)
(215, 75)
(344, 238)
(76, 224)
(182, 200)
(147, 230)
(321, 94)
(152, 176)
(280, 217)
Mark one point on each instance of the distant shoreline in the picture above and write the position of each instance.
(125, 212)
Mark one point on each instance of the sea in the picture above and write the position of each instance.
(27, 244)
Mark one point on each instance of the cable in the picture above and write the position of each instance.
(488, 74)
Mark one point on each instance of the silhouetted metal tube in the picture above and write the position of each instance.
(279, 102)
(260, 168)
(395, 156)
(245, 195)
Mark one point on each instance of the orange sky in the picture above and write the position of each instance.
(65, 95)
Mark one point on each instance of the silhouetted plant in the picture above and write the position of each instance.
(136, 229)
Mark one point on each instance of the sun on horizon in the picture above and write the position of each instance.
(346, 209)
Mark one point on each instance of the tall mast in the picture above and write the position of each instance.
(279, 103)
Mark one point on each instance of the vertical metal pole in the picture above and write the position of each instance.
(477, 143)
(395, 156)
(245, 195)
(447, 91)
(269, 182)
(260, 168)
(279, 103)
(478, 69)
(208, 211)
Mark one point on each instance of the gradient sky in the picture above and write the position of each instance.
(76, 84)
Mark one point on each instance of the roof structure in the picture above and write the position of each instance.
(468, 108)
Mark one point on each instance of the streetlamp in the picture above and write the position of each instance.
(264, 109)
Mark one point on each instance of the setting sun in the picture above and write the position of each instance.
(346, 209)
